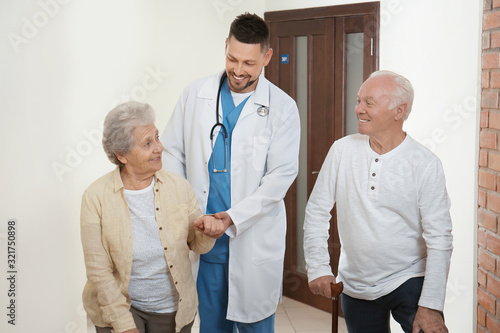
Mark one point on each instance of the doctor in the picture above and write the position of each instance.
(241, 176)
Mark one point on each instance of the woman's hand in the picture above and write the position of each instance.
(210, 226)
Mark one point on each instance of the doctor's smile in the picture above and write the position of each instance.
(237, 83)
(240, 78)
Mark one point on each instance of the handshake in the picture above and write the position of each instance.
(213, 225)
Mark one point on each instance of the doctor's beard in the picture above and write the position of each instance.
(236, 89)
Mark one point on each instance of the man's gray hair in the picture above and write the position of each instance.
(402, 94)
(119, 126)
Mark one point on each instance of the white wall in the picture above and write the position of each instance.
(436, 45)
(66, 63)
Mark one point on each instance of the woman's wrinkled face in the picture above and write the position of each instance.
(145, 156)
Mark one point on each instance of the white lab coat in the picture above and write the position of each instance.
(264, 163)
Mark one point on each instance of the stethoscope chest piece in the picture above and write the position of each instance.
(263, 111)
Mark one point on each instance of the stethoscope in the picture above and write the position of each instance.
(222, 127)
(261, 111)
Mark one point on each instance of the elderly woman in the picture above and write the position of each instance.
(137, 227)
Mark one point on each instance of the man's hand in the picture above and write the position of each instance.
(133, 330)
(210, 226)
(428, 321)
(321, 285)
(226, 219)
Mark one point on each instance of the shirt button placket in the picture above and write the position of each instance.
(373, 179)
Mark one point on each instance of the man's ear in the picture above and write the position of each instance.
(400, 111)
(268, 56)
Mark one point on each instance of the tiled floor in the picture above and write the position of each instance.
(296, 317)
(291, 317)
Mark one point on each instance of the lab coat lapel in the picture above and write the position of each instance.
(209, 91)
(258, 99)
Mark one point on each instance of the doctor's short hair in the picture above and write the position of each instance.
(119, 126)
(250, 29)
(402, 94)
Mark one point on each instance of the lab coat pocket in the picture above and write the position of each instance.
(268, 239)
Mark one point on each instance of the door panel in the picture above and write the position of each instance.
(353, 78)
(308, 47)
(301, 90)
(321, 56)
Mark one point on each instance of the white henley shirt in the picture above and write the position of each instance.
(393, 219)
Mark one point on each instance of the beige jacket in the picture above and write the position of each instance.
(107, 245)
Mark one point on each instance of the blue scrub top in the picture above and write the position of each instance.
(219, 195)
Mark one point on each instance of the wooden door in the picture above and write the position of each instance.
(312, 48)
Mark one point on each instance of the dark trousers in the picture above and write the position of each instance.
(150, 322)
(364, 316)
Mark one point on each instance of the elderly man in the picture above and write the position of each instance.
(393, 218)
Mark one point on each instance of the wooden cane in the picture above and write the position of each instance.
(336, 290)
